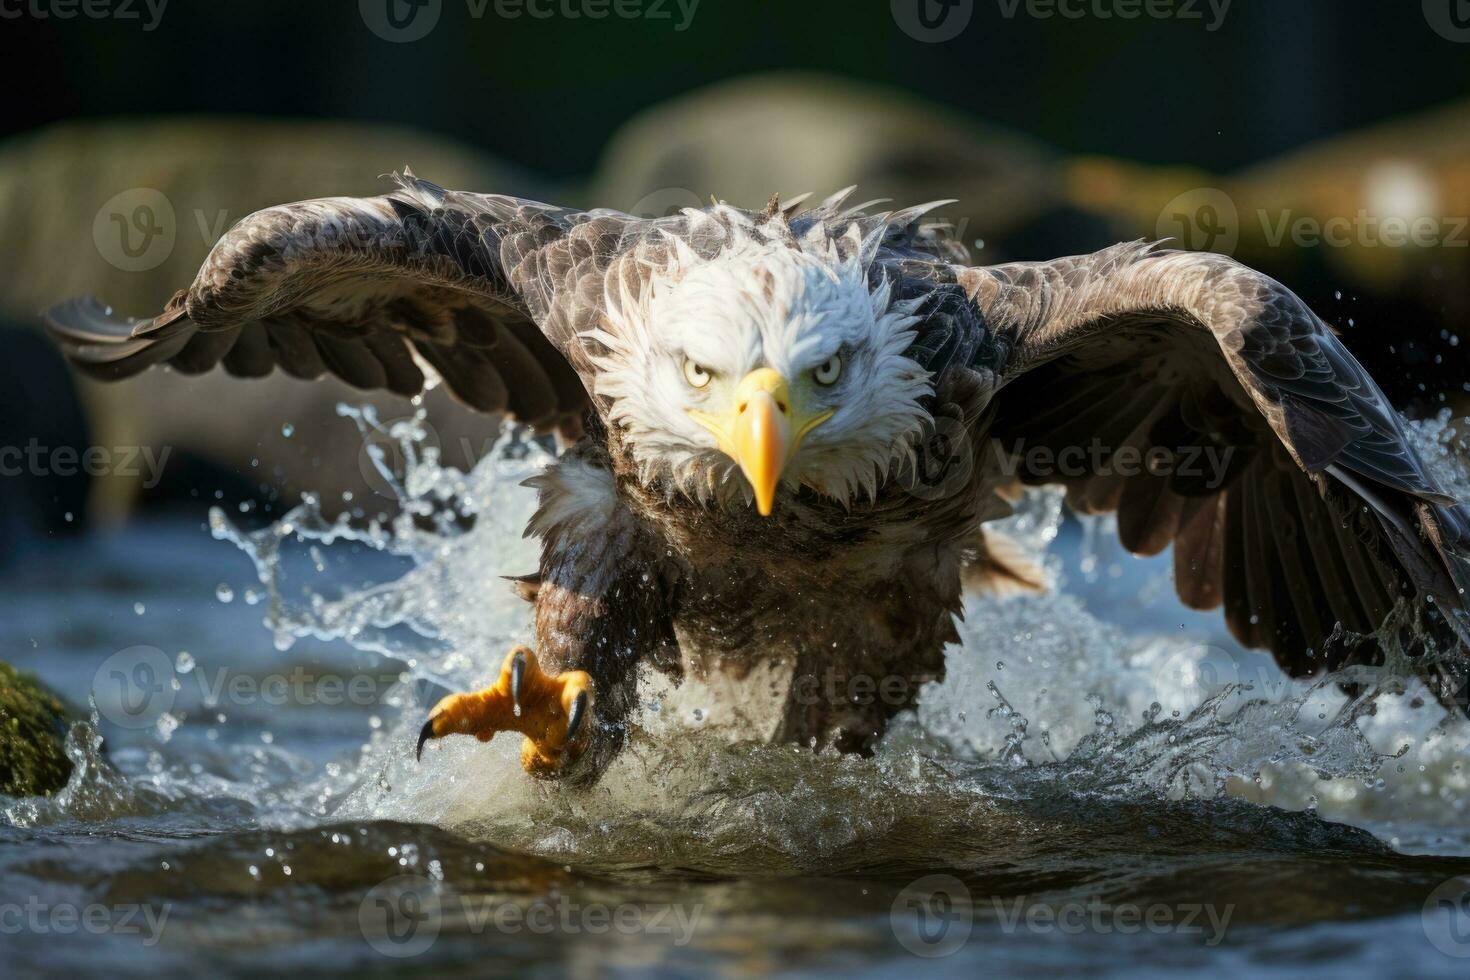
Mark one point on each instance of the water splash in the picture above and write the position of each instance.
(1042, 700)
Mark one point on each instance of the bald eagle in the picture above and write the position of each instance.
(788, 426)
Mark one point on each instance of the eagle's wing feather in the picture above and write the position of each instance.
(1314, 508)
(370, 290)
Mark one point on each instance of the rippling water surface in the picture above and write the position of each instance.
(1104, 783)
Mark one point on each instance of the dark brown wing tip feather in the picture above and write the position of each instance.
(172, 313)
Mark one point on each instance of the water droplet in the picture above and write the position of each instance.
(166, 725)
(224, 593)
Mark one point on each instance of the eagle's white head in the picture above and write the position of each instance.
(768, 356)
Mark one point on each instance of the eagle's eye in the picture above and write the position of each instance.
(828, 371)
(697, 375)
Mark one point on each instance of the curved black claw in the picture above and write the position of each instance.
(425, 733)
(517, 672)
(579, 710)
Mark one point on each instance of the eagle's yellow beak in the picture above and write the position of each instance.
(761, 431)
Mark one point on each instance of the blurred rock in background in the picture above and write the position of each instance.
(793, 133)
(33, 724)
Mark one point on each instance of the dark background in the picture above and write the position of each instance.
(548, 93)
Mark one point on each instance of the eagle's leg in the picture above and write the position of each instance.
(600, 598)
(549, 710)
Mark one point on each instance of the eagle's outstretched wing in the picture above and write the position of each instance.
(1212, 410)
(371, 289)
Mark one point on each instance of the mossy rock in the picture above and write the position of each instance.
(32, 728)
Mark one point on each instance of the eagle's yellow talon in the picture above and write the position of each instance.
(551, 711)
